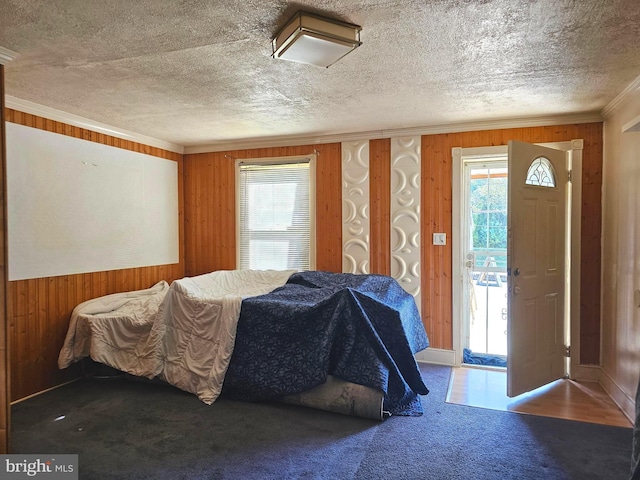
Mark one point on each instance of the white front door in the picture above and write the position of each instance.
(537, 265)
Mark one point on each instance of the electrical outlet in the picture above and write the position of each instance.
(439, 238)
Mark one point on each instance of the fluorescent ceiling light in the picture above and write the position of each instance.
(316, 40)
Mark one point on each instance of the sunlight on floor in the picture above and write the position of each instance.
(486, 388)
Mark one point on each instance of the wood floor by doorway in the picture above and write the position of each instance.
(580, 401)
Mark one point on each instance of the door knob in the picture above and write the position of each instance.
(516, 272)
(516, 290)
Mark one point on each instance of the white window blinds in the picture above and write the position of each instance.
(275, 216)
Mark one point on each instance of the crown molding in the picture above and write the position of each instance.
(290, 141)
(621, 98)
(632, 125)
(6, 55)
(280, 141)
(293, 140)
(78, 121)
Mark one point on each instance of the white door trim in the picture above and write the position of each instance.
(459, 304)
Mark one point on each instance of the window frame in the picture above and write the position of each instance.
(312, 197)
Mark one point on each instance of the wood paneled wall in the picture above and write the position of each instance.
(380, 205)
(436, 208)
(39, 309)
(210, 215)
(209, 204)
(5, 383)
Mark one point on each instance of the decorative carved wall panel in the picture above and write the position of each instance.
(356, 243)
(405, 213)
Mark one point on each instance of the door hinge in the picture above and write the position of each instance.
(569, 173)
(567, 351)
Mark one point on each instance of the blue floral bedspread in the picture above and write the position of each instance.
(363, 329)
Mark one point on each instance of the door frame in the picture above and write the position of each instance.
(574, 147)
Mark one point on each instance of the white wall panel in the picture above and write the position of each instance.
(405, 213)
(356, 248)
(76, 206)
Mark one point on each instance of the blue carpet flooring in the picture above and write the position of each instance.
(134, 430)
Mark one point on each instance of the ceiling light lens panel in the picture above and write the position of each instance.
(315, 51)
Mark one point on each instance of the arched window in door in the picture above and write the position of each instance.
(540, 173)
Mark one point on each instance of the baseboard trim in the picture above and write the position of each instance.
(43, 391)
(626, 403)
(587, 373)
(437, 356)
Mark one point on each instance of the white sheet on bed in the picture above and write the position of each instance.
(184, 333)
(198, 327)
(114, 329)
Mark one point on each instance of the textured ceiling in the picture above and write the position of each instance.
(200, 72)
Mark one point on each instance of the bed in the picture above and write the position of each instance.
(339, 342)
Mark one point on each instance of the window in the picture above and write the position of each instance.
(276, 221)
(488, 191)
(540, 173)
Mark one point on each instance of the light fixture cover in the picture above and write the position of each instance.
(316, 40)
